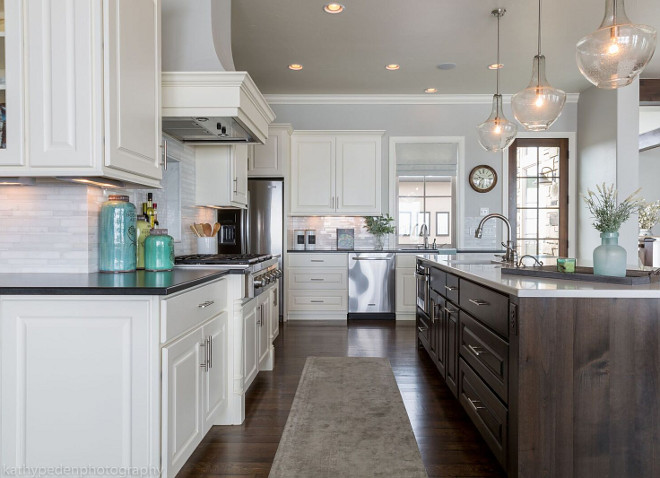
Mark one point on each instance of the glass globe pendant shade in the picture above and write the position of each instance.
(496, 133)
(613, 55)
(539, 105)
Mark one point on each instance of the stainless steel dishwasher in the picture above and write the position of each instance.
(371, 285)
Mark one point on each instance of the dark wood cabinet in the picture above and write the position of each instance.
(451, 314)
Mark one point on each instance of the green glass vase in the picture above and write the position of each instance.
(610, 258)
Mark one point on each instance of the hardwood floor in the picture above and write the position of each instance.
(449, 443)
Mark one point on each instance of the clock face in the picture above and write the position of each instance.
(483, 178)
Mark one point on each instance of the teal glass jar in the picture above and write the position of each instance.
(117, 235)
(158, 251)
(610, 258)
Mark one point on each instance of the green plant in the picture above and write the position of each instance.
(649, 214)
(607, 213)
(379, 225)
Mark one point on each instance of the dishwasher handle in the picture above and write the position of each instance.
(373, 258)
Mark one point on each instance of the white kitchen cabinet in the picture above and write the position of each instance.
(11, 81)
(221, 175)
(270, 159)
(250, 343)
(274, 313)
(80, 381)
(336, 173)
(214, 389)
(263, 329)
(92, 90)
(405, 287)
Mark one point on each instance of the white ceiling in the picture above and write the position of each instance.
(346, 53)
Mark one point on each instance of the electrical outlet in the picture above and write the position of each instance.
(484, 211)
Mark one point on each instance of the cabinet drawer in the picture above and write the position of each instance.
(191, 308)
(486, 353)
(318, 260)
(484, 409)
(308, 300)
(437, 280)
(314, 279)
(451, 291)
(486, 305)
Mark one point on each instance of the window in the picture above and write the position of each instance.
(538, 196)
(425, 200)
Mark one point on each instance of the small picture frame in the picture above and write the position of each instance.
(442, 224)
(345, 239)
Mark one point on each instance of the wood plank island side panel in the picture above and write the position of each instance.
(589, 388)
(545, 367)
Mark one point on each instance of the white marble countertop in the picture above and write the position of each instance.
(475, 267)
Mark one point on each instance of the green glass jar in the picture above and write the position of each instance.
(143, 229)
(117, 245)
(159, 251)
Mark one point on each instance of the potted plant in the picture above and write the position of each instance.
(610, 258)
(649, 215)
(379, 226)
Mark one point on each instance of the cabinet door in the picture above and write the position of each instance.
(274, 313)
(132, 86)
(239, 174)
(214, 389)
(406, 294)
(65, 100)
(440, 336)
(11, 84)
(263, 328)
(79, 382)
(265, 159)
(182, 400)
(358, 178)
(313, 174)
(451, 313)
(250, 363)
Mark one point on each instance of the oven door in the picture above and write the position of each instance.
(422, 277)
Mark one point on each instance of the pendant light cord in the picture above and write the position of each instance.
(539, 43)
(499, 15)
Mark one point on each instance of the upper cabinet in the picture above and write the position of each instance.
(92, 90)
(221, 174)
(270, 159)
(336, 173)
(11, 81)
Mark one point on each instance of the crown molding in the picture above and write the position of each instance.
(392, 99)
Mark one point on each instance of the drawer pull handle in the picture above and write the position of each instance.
(316, 301)
(450, 311)
(451, 288)
(477, 350)
(422, 330)
(205, 365)
(317, 260)
(479, 302)
(204, 305)
(475, 406)
(317, 279)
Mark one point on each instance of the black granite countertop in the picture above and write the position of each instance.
(130, 283)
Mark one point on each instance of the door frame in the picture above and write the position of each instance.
(573, 199)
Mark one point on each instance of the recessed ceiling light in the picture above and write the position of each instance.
(496, 66)
(295, 67)
(446, 66)
(333, 8)
(392, 67)
(431, 90)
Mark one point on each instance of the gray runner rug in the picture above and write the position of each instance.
(347, 420)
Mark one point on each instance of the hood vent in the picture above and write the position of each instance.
(214, 107)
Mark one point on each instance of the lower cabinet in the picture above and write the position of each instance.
(263, 328)
(275, 313)
(406, 296)
(250, 344)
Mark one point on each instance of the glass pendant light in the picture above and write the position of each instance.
(539, 105)
(613, 55)
(497, 132)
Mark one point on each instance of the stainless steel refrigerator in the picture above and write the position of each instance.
(260, 229)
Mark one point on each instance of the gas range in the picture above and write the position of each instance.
(259, 270)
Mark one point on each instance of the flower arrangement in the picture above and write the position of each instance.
(607, 213)
(379, 225)
(649, 214)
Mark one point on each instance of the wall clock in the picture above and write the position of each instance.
(482, 178)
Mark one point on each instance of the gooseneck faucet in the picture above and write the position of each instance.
(510, 255)
(424, 232)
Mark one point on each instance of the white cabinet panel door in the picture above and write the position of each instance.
(313, 175)
(79, 383)
(239, 175)
(263, 328)
(274, 313)
(132, 94)
(13, 92)
(406, 295)
(215, 380)
(182, 404)
(358, 175)
(250, 363)
(265, 160)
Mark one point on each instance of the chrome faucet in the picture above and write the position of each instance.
(424, 232)
(510, 255)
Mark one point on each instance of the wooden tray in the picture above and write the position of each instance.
(633, 277)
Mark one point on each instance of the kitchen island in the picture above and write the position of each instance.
(562, 378)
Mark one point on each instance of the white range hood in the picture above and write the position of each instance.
(214, 107)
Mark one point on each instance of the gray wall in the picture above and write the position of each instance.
(649, 177)
(417, 120)
(608, 144)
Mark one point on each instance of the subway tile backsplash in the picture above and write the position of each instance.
(326, 230)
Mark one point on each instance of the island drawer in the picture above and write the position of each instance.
(322, 278)
(484, 409)
(485, 305)
(318, 260)
(437, 280)
(191, 308)
(486, 353)
(451, 291)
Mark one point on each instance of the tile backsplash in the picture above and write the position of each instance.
(326, 230)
